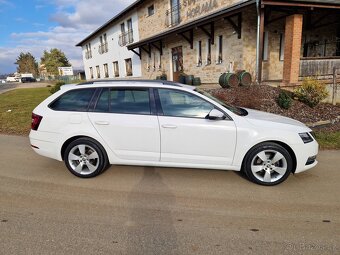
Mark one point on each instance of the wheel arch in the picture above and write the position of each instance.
(71, 139)
(284, 145)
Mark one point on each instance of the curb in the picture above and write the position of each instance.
(323, 122)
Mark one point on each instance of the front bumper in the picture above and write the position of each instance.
(304, 156)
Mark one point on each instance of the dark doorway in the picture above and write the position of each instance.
(177, 62)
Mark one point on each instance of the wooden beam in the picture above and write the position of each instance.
(320, 19)
(294, 4)
(147, 51)
(277, 19)
(159, 48)
(239, 20)
(212, 29)
(237, 27)
(210, 34)
(328, 24)
(190, 38)
(137, 53)
(259, 78)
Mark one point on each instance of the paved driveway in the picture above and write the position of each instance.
(146, 210)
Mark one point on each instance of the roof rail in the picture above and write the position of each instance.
(171, 83)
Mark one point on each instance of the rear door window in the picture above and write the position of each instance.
(76, 100)
(124, 100)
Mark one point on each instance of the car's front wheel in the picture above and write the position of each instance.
(268, 164)
(85, 158)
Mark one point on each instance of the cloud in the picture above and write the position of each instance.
(75, 20)
(36, 42)
(4, 5)
(88, 14)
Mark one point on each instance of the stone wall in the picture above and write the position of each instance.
(273, 67)
(232, 54)
(190, 10)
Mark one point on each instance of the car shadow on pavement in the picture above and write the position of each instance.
(151, 226)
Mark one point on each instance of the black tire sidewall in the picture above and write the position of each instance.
(103, 161)
(267, 146)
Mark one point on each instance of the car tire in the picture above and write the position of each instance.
(85, 158)
(268, 164)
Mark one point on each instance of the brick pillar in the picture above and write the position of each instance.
(293, 38)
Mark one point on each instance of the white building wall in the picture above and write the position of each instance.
(115, 52)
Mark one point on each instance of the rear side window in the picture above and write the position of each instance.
(76, 100)
(121, 100)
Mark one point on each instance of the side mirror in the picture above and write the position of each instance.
(215, 114)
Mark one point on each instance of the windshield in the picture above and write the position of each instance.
(237, 110)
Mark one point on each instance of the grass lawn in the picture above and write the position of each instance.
(328, 140)
(21, 102)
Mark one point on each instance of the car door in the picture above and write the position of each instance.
(122, 117)
(187, 136)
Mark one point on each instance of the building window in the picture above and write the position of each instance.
(220, 50)
(282, 47)
(126, 36)
(208, 52)
(128, 67)
(98, 71)
(116, 69)
(151, 10)
(88, 53)
(103, 47)
(90, 50)
(106, 49)
(130, 31)
(91, 72)
(106, 71)
(199, 53)
(173, 17)
(122, 28)
(265, 46)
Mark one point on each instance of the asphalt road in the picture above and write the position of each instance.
(4, 87)
(145, 210)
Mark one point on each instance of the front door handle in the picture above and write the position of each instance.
(101, 123)
(169, 126)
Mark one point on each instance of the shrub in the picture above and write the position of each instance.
(284, 100)
(312, 92)
(56, 86)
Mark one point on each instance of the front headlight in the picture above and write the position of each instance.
(306, 137)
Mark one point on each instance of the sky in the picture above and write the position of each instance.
(37, 25)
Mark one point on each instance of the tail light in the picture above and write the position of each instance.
(36, 119)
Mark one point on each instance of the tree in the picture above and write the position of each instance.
(27, 64)
(53, 59)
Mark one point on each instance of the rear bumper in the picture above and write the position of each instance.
(45, 144)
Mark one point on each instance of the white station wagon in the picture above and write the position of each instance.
(165, 124)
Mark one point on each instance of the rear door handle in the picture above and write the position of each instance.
(169, 126)
(101, 123)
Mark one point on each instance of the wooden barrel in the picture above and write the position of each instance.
(182, 78)
(163, 77)
(196, 81)
(189, 79)
(228, 80)
(244, 77)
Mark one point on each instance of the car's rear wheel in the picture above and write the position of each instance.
(85, 158)
(268, 164)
